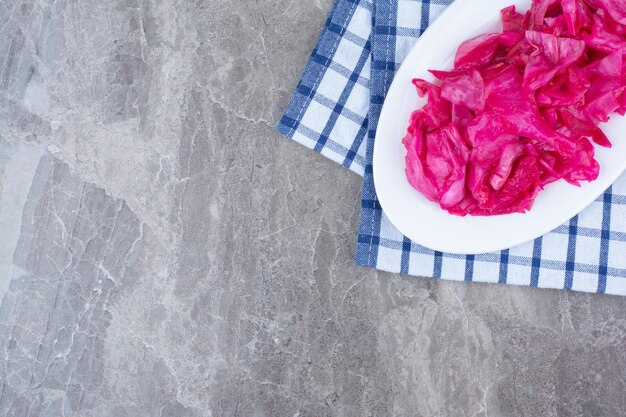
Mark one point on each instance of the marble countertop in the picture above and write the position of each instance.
(164, 252)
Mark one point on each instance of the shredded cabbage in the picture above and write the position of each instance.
(521, 108)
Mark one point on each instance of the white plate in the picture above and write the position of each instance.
(422, 220)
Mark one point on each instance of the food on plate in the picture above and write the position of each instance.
(521, 108)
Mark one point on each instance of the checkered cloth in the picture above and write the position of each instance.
(335, 110)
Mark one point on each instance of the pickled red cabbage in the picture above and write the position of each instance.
(521, 108)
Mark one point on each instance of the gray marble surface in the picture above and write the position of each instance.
(163, 252)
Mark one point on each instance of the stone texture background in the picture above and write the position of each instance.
(163, 252)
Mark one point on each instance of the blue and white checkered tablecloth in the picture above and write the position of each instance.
(334, 111)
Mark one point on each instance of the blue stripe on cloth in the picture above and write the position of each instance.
(504, 264)
(406, 255)
(389, 31)
(591, 232)
(536, 264)
(437, 264)
(347, 73)
(338, 108)
(384, 66)
(368, 238)
(352, 37)
(570, 264)
(469, 267)
(371, 204)
(425, 18)
(330, 144)
(618, 199)
(605, 240)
